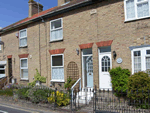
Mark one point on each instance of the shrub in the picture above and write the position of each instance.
(62, 99)
(37, 95)
(22, 93)
(138, 87)
(6, 92)
(119, 80)
(69, 83)
(37, 77)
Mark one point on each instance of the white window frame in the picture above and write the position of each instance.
(143, 57)
(135, 4)
(3, 75)
(24, 68)
(56, 29)
(22, 37)
(56, 80)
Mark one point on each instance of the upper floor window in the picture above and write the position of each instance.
(23, 38)
(136, 9)
(56, 30)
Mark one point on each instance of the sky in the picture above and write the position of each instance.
(12, 11)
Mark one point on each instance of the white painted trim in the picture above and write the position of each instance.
(56, 29)
(24, 78)
(136, 17)
(57, 66)
(23, 68)
(57, 80)
(88, 55)
(104, 53)
(143, 57)
(23, 37)
(83, 71)
(83, 74)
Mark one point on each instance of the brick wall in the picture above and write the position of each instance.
(79, 27)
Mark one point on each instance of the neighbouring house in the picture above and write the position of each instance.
(78, 38)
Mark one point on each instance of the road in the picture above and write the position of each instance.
(8, 109)
(15, 109)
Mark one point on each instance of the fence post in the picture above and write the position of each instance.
(55, 104)
(71, 95)
(95, 97)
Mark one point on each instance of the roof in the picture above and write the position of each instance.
(34, 16)
(46, 12)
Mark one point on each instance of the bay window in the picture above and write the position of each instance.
(23, 38)
(136, 9)
(24, 68)
(141, 60)
(57, 68)
(56, 30)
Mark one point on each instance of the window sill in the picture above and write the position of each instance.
(131, 20)
(57, 81)
(24, 79)
(23, 47)
(56, 41)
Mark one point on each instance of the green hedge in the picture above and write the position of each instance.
(138, 87)
(6, 92)
(119, 80)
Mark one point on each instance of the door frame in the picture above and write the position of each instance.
(83, 74)
(105, 53)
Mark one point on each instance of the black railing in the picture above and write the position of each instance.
(86, 100)
(107, 100)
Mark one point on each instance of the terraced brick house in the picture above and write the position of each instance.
(78, 38)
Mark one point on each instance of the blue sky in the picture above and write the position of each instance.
(12, 11)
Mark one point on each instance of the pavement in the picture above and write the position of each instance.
(7, 108)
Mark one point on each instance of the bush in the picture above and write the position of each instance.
(69, 83)
(37, 95)
(37, 77)
(22, 93)
(138, 87)
(61, 98)
(6, 92)
(119, 80)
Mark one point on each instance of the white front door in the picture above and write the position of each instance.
(105, 65)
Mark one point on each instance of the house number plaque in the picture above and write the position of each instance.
(119, 60)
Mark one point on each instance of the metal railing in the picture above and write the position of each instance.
(72, 88)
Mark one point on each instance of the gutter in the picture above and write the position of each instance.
(52, 13)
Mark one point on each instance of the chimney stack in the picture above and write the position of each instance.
(33, 8)
(62, 2)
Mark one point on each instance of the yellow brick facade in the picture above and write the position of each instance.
(79, 27)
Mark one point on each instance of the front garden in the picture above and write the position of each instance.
(134, 88)
(38, 94)
(130, 90)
